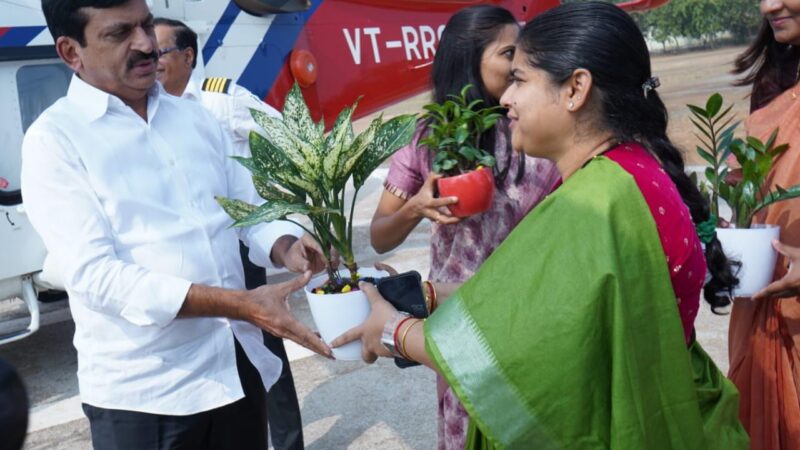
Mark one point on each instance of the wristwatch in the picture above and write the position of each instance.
(387, 338)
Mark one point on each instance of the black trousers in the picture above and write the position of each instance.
(285, 424)
(240, 425)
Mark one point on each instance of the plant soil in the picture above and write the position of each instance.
(346, 285)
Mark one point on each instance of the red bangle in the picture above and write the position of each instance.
(397, 329)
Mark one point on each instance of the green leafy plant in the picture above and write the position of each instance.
(454, 133)
(297, 169)
(746, 190)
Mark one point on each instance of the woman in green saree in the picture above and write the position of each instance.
(584, 340)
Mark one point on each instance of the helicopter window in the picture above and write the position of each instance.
(264, 7)
(38, 87)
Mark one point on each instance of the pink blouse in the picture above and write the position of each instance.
(682, 249)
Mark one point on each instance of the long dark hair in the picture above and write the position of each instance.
(771, 67)
(458, 63)
(604, 40)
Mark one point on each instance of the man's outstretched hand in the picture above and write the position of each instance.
(268, 308)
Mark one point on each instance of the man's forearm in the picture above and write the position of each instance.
(207, 301)
(265, 307)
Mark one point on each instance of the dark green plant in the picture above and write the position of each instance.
(454, 133)
(716, 135)
(746, 192)
(297, 169)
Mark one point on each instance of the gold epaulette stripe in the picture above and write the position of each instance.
(216, 84)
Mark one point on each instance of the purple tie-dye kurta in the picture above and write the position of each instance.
(458, 250)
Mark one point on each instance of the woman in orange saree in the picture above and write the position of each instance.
(764, 336)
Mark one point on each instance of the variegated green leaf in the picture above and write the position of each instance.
(336, 144)
(262, 172)
(272, 164)
(237, 209)
(350, 136)
(298, 120)
(249, 164)
(392, 135)
(270, 191)
(321, 127)
(269, 161)
(357, 149)
(301, 153)
(266, 155)
(279, 210)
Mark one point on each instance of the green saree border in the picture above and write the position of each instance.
(469, 359)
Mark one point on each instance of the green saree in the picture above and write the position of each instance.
(575, 341)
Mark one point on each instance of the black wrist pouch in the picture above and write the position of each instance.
(404, 292)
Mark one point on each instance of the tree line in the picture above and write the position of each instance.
(707, 21)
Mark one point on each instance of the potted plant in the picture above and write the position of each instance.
(297, 169)
(745, 191)
(454, 135)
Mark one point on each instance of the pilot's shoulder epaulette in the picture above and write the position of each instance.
(219, 85)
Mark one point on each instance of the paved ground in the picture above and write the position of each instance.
(349, 404)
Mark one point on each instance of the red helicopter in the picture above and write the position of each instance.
(379, 49)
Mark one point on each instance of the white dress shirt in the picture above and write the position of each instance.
(128, 206)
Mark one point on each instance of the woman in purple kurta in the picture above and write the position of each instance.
(481, 38)
(457, 250)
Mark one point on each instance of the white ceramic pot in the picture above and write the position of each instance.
(753, 248)
(336, 313)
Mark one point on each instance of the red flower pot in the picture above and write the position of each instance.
(475, 191)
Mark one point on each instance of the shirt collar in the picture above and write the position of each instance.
(192, 91)
(95, 102)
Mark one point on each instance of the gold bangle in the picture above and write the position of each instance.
(426, 292)
(430, 296)
(402, 348)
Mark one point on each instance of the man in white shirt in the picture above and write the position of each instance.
(119, 180)
(231, 105)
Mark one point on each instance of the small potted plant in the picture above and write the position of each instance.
(454, 134)
(745, 191)
(297, 169)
